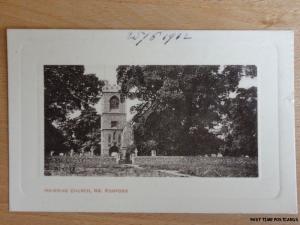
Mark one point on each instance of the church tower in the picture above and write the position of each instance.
(113, 119)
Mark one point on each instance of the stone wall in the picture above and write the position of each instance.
(164, 160)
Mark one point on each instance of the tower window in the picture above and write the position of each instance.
(113, 124)
(109, 138)
(114, 103)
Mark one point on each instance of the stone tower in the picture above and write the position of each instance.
(113, 119)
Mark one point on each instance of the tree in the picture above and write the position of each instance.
(242, 123)
(83, 132)
(66, 90)
(180, 106)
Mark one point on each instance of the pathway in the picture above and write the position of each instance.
(174, 173)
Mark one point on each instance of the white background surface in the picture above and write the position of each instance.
(272, 52)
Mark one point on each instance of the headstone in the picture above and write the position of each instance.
(247, 156)
(82, 151)
(51, 153)
(71, 152)
(61, 154)
(219, 155)
(92, 150)
(213, 155)
(153, 152)
(132, 157)
(205, 155)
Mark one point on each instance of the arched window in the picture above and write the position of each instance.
(114, 103)
(109, 138)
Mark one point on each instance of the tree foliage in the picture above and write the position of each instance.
(68, 90)
(83, 132)
(188, 110)
(241, 123)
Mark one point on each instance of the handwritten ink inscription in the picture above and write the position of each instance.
(165, 37)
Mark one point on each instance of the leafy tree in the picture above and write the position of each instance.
(83, 132)
(131, 148)
(242, 123)
(66, 90)
(180, 106)
(54, 140)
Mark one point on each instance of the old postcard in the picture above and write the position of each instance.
(140, 121)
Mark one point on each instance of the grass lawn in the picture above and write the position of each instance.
(108, 171)
(214, 167)
(191, 166)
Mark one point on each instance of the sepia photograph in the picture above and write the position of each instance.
(150, 120)
(137, 121)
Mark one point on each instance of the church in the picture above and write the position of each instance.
(113, 120)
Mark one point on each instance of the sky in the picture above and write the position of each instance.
(103, 72)
(108, 72)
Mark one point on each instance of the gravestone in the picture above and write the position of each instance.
(92, 150)
(153, 152)
(219, 155)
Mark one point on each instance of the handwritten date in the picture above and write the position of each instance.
(165, 37)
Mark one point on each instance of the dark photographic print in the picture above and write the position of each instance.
(150, 120)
